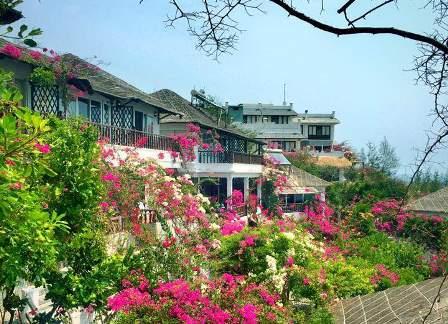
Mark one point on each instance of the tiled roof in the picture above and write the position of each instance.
(405, 304)
(104, 82)
(191, 114)
(108, 84)
(299, 179)
(434, 202)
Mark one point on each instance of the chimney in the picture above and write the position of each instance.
(226, 104)
(333, 113)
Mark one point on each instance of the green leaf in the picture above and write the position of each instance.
(9, 29)
(29, 42)
(35, 32)
(23, 28)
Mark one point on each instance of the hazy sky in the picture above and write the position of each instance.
(362, 78)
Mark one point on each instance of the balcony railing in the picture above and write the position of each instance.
(293, 207)
(131, 137)
(120, 223)
(229, 157)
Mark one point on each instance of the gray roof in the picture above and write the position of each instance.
(192, 114)
(102, 81)
(298, 178)
(319, 120)
(279, 157)
(436, 202)
(108, 84)
(406, 304)
(269, 111)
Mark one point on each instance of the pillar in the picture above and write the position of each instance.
(246, 189)
(229, 187)
(259, 191)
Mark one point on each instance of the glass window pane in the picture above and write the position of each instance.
(83, 108)
(106, 114)
(95, 109)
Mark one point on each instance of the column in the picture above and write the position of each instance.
(246, 189)
(259, 191)
(229, 188)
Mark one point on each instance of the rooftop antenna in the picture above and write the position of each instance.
(284, 94)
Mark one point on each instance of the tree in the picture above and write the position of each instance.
(382, 157)
(216, 29)
(389, 160)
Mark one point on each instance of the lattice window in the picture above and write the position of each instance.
(45, 99)
(123, 116)
(95, 112)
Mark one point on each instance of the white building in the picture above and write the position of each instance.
(282, 127)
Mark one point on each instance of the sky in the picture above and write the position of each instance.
(365, 79)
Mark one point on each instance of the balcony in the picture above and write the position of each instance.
(135, 138)
(229, 157)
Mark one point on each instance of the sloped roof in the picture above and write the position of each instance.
(436, 202)
(338, 162)
(192, 114)
(101, 81)
(406, 304)
(108, 84)
(299, 179)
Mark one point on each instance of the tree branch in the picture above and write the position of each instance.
(360, 30)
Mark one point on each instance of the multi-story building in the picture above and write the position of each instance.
(317, 131)
(216, 173)
(282, 127)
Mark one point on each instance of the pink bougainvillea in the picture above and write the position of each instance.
(11, 50)
(43, 148)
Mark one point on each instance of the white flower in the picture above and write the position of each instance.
(290, 236)
(165, 203)
(214, 226)
(272, 263)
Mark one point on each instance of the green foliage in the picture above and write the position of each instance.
(368, 185)
(43, 76)
(397, 255)
(77, 190)
(349, 279)
(268, 197)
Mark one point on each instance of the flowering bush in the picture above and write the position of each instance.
(227, 299)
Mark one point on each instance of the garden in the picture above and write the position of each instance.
(62, 187)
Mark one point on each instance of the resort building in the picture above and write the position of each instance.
(217, 173)
(280, 126)
(122, 113)
(301, 187)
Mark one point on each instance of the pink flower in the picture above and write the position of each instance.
(161, 156)
(249, 314)
(104, 206)
(43, 148)
(306, 281)
(16, 186)
(11, 50)
(231, 227)
(35, 55)
(192, 128)
(290, 261)
(110, 177)
(205, 146)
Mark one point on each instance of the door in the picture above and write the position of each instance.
(139, 120)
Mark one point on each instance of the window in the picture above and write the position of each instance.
(148, 123)
(244, 119)
(301, 129)
(106, 114)
(284, 119)
(95, 111)
(83, 108)
(275, 119)
(319, 131)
